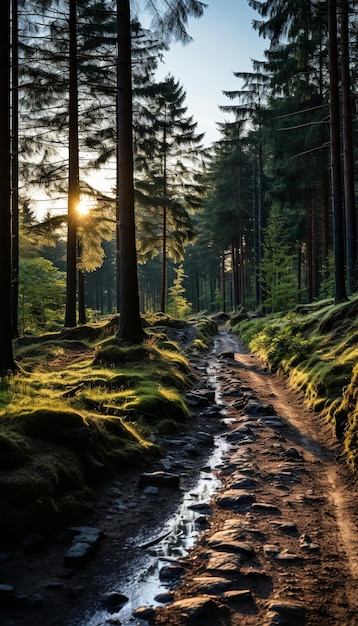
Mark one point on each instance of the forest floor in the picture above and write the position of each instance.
(282, 543)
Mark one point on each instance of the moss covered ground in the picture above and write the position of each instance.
(316, 346)
(81, 407)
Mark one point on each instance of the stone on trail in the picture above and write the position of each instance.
(258, 409)
(271, 550)
(287, 528)
(240, 434)
(212, 585)
(307, 544)
(159, 479)
(285, 614)
(223, 563)
(243, 482)
(265, 508)
(171, 572)
(113, 600)
(145, 613)
(238, 595)
(84, 545)
(287, 556)
(236, 499)
(229, 540)
(200, 507)
(192, 609)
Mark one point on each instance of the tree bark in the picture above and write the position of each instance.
(348, 159)
(338, 222)
(7, 362)
(130, 326)
(15, 166)
(73, 176)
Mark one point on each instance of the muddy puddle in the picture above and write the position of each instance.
(141, 583)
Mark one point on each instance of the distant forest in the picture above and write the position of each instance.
(265, 218)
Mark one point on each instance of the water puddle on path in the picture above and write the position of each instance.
(141, 583)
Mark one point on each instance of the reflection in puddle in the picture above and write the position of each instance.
(175, 538)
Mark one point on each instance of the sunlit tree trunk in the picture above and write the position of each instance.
(130, 326)
(338, 222)
(15, 166)
(6, 352)
(73, 177)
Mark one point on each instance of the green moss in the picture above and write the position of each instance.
(49, 425)
(316, 346)
(14, 450)
(55, 420)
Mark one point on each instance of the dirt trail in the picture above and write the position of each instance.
(304, 563)
(282, 545)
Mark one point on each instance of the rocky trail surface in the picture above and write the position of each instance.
(276, 538)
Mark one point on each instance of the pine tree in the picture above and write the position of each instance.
(172, 21)
(167, 182)
(7, 362)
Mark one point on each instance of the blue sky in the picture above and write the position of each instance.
(224, 42)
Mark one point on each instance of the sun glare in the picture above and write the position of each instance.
(83, 207)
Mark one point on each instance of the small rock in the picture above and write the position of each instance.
(285, 614)
(233, 499)
(164, 598)
(159, 479)
(212, 585)
(78, 554)
(193, 609)
(256, 408)
(113, 600)
(202, 522)
(307, 544)
(286, 555)
(224, 563)
(271, 550)
(230, 545)
(238, 595)
(243, 483)
(200, 507)
(292, 453)
(264, 508)
(145, 613)
(171, 572)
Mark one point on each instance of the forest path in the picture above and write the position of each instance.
(287, 497)
(281, 548)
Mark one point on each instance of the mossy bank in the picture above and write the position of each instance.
(316, 346)
(82, 407)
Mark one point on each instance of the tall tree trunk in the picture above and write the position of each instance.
(15, 166)
(73, 177)
(309, 252)
(348, 161)
(6, 353)
(130, 326)
(163, 289)
(338, 222)
(81, 297)
(164, 240)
